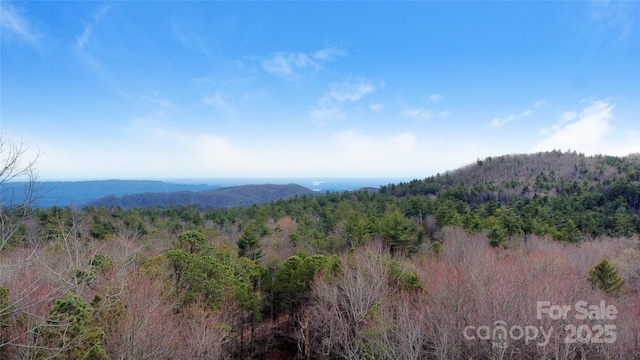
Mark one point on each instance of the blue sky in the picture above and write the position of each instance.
(138, 89)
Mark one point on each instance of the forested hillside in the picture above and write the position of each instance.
(529, 174)
(563, 195)
(429, 269)
(245, 195)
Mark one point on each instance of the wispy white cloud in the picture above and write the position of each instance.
(329, 53)
(435, 98)
(160, 101)
(499, 122)
(217, 100)
(564, 117)
(590, 131)
(288, 65)
(444, 114)
(593, 124)
(327, 113)
(618, 18)
(226, 102)
(190, 39)
(420, 113)
(83, 41)
(424, 115)
(352, 91)
(417, 114)
(539, 104)
(15, 25)
(376, 107)
(291, 65)
(329, 106)
(568, 116)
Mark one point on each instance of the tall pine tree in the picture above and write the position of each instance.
(249, 245)
(604, 276)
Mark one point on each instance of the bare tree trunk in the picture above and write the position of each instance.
(15, 201)
(344, 305)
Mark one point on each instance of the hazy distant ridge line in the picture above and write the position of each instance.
(244, 195)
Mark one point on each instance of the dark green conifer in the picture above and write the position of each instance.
(249, 245)
(604, 276)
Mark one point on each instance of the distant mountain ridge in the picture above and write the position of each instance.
(80, 192)
(236, 196)
(77, 193)
(545, 173)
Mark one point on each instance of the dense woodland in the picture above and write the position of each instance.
(400, 272)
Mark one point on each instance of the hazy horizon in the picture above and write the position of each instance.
(313, 183)
(281, 179)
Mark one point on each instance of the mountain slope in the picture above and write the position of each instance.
(245, 195)
(566, 196)
(545, 173)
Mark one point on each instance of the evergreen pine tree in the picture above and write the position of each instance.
(249, 245)
(604, 276)
(497, 236)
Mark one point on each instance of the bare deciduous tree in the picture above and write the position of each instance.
(344, 306)
(15, 201)
(402, 323)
